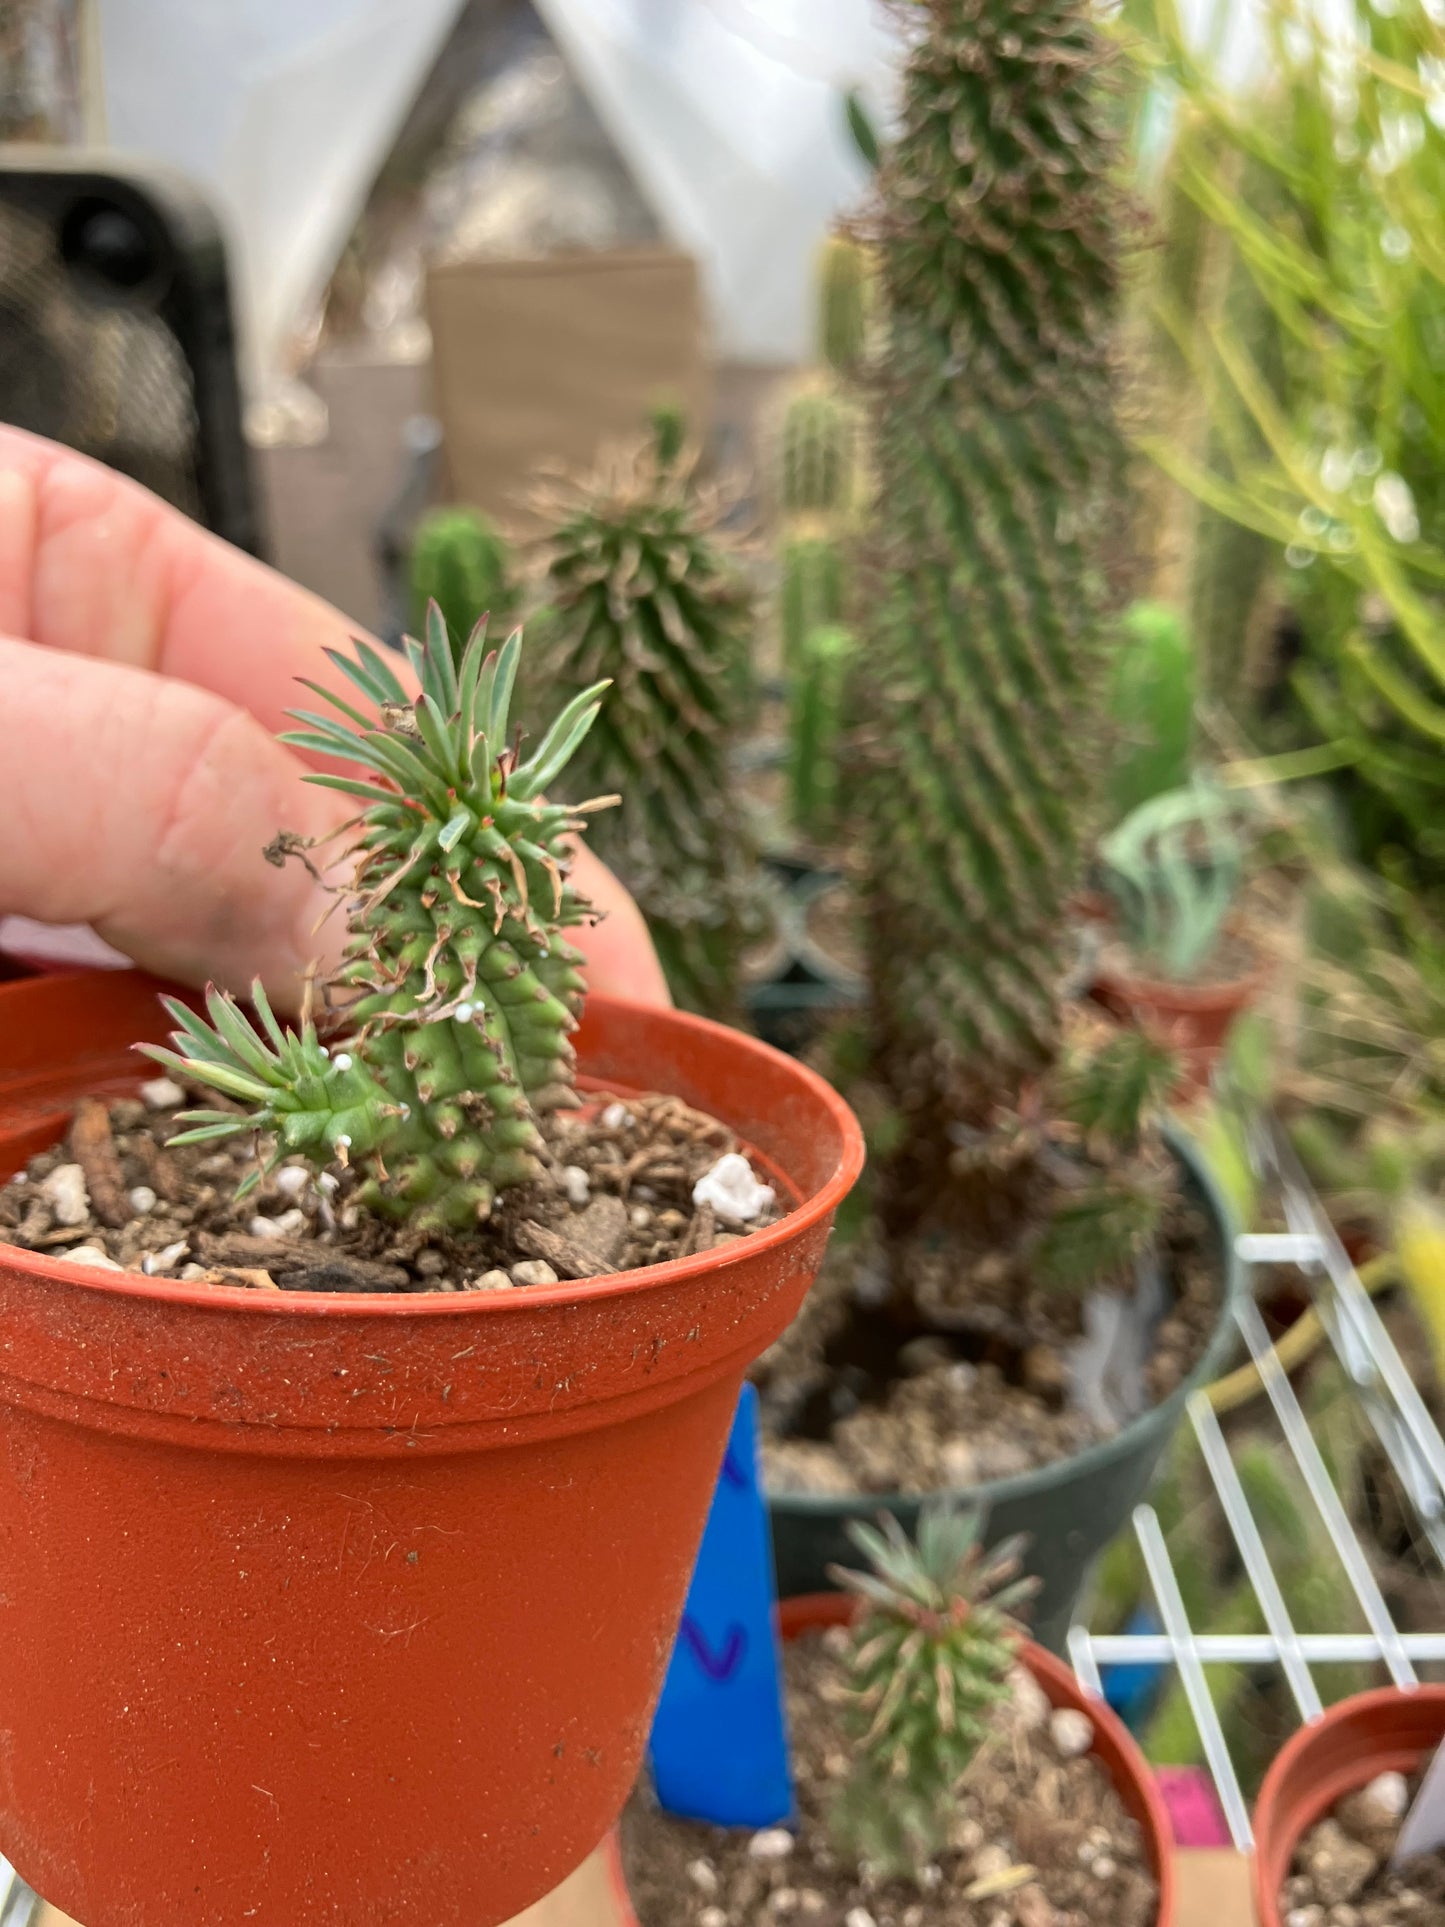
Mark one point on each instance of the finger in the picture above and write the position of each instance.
(141, 806)
(95, 565)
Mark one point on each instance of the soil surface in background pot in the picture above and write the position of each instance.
(1341, 1875)
(853, 1400)
(620, 1196)
(1040, 1837)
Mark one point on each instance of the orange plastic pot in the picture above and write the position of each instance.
(1194, 1018)
(345, 1610)
(1115, 1750)
(1388, 1731)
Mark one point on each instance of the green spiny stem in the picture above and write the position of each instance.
(999, 470)
(460, 561)
(461, 988)
(929, 1661)
(643, 591)
(816, 457)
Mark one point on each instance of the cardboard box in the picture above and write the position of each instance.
(546, 361)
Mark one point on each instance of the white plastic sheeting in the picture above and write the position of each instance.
(282, 111)
(727, 112)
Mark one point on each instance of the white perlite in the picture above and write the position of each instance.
(1072, 1732)
(65, 1193)
(773, 1843)
(576, 1183)
(859, 1917)
(291, 1180)
(732, 1189)
(494, 1280)
(162, 1094)
(142, 1200)
(286, 1226)
(533, 1271)
(703, 1876)
(1387, 1796)
(91, 1255)
(162, 1260)
(615, 1117)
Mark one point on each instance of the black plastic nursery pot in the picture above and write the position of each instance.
(793, 1004)
(1068, 1511)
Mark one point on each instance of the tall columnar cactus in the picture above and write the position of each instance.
(461, 561)
(929, 1662)
(641, 589)
(998, 484)
(812, 591)
(465, 988)
(817, 706)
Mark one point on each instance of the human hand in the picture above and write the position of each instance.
(145, 669)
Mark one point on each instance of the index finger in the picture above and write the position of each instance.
(95, 565)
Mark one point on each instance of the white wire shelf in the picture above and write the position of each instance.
(1409, 1439)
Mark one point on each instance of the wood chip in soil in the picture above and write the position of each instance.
(618, 1196)
(1022, 1806)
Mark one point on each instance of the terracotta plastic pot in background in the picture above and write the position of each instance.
(1116, 1751)
(349, 1610)
(1195, 1018)
(1389, 1731)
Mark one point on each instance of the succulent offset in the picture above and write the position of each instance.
(461, 987)
(929, 1661)
(642, 590)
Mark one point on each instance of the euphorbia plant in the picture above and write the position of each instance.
(928, 1664)
(460, 986)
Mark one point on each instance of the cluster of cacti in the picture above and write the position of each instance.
(463, 988)
(461, 561)
(642, 589)
(999, 472)
(929, 1662)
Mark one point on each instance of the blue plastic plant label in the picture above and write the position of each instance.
(719, 1741)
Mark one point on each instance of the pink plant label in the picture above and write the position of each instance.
(1194, 1809)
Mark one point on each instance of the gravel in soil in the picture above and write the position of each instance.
(619, 1195)
(1039, 1838)
(852, 1402)
(1341, 1877)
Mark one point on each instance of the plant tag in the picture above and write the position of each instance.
(1424, 1828)
(719, 1745)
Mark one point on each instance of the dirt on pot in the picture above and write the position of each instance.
(1040, 1836)
(1341, 1875)
(853, 1400)
(619, 1195)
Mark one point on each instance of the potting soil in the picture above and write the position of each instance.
(1039, 1836)
(620, 1195)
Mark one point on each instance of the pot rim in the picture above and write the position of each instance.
(311, 1304)
(1192, 999)
(1018, 1485)
(1282, 1818)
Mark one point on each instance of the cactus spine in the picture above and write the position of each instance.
(638, 578)
(999, 471)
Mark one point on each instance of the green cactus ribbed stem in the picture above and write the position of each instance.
(812, 591)
(817, 702)
(639, 579)
(461, 561)
(463, 989)
(999, 471)
(844, 295)
(1152, 697)
(816, 458)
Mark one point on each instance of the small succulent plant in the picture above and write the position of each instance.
(1173, 868)
(461, 989)
(929, 1661)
